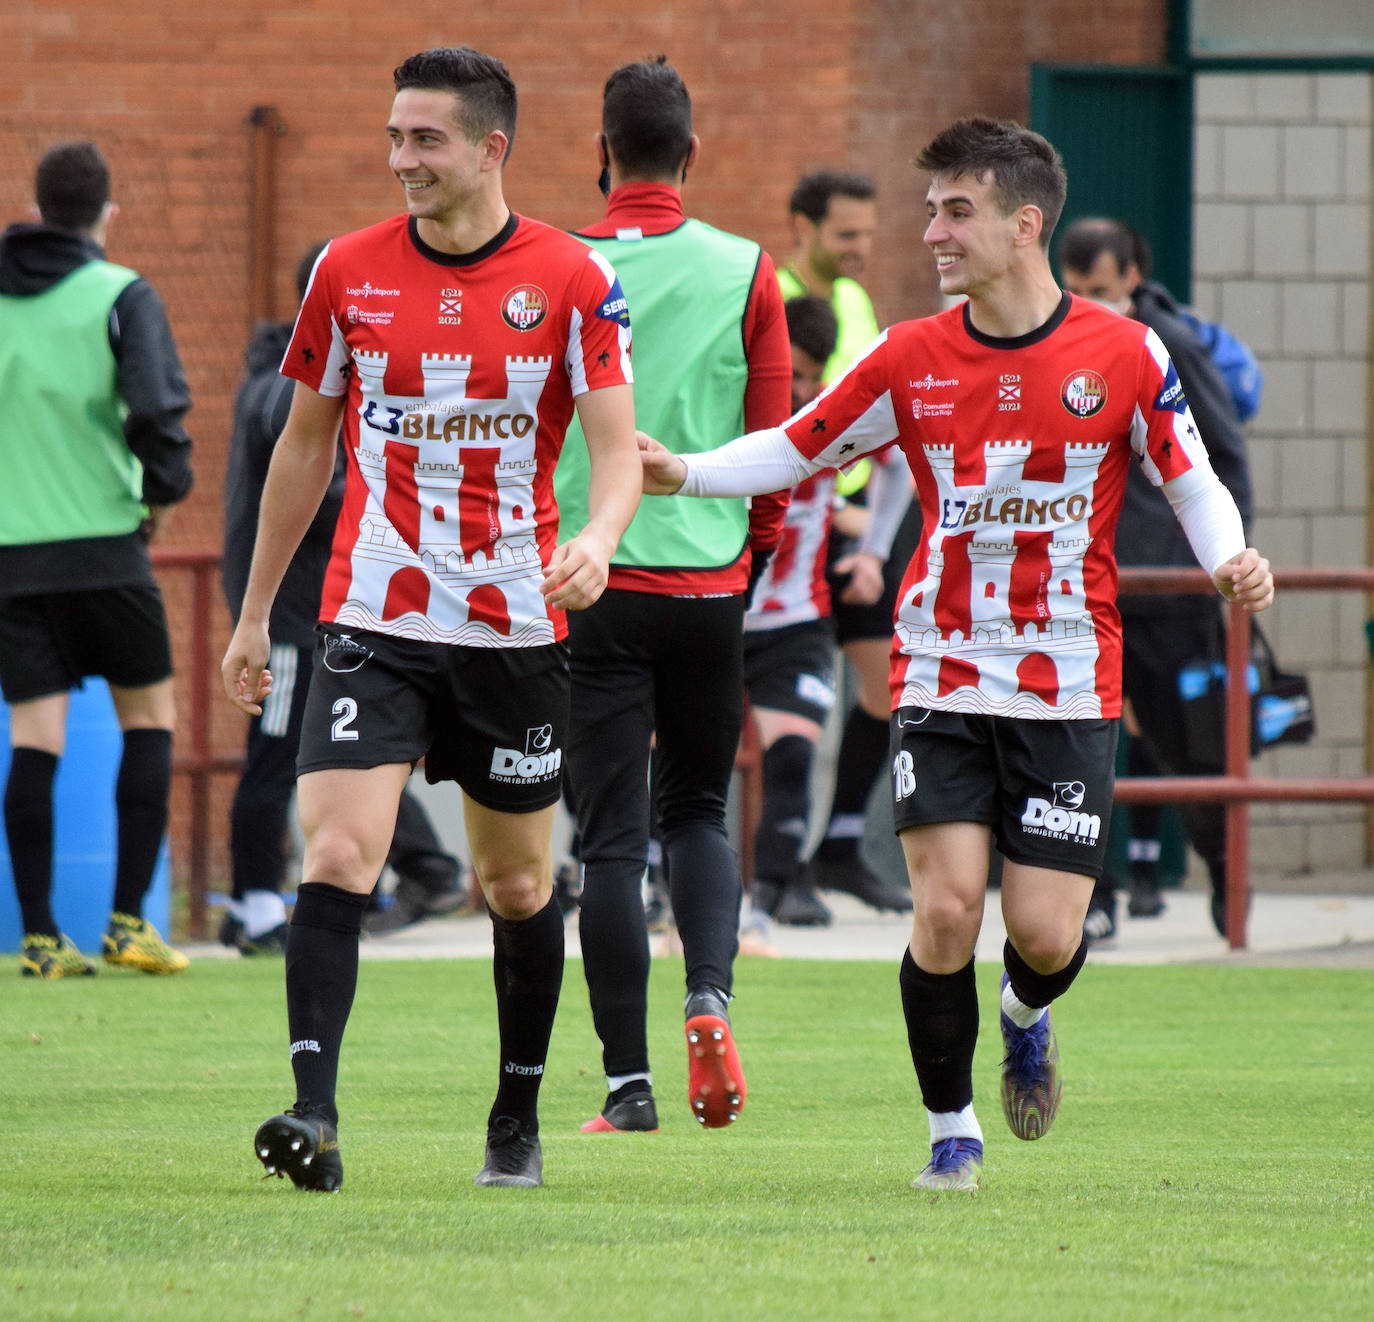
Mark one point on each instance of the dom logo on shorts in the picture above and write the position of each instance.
(540, 760)
(1062, 818)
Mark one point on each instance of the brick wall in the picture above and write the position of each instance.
(167, 90)
(1282, 255)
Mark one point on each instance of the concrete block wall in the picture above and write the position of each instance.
(1281, 254)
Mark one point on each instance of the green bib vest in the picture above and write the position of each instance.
(68, 472)
(687, 291)
(858, 323)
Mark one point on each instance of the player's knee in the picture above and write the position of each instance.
(514, 891)
(338, 858)
(1048, 949)
(949, 921)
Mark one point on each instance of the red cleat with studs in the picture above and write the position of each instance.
(715, 1080)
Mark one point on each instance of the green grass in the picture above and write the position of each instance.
(1213, 1158)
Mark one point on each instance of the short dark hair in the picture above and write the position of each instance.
(1087, 238)
(811, 325)
(811, 197)
(72, 185)
(306, 266)
(1023, 166)
(646, 115)
(483, 85)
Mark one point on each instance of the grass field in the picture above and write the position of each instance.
(1213, 1157)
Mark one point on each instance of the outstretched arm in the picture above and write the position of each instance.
(1212, 524)
(752, 465)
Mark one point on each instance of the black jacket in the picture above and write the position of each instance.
(260, 410)
(151, 383)
(1148, 533)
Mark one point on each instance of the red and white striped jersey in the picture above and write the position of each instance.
(1020, 450)
(794, 587)
(460, 373)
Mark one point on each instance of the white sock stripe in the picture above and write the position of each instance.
(276, 711)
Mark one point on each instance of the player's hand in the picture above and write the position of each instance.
(1247, 580)
(865, 572)
(247, 680)
(664, 472)
(577, 572)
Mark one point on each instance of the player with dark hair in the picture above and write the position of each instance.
(1019, 412)
(658, 658)
(93, 451)
(454, 342)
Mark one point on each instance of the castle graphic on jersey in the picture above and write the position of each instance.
(449, 530)
(1000, 622)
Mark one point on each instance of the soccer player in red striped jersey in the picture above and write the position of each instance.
(454, 342)
(1019, 411)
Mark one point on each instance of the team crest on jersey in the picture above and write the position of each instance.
(524, 307)
(1084, 393)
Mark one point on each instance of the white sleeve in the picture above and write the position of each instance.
(889, 494)
(1208, 515)
(754, 465)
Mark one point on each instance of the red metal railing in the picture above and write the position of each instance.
(1237, 788)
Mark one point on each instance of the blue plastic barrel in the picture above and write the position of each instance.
(83, 829)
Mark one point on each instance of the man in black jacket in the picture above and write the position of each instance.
(93, 452)
(1101, 259)
(428, 878)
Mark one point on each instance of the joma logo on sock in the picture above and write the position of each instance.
(513, 1068)
(305, 1044)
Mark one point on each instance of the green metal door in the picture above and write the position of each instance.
(1126, 135)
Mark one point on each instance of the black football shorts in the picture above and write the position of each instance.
(792, 669)
(1044, 787)
(50, 641)
(493, 719)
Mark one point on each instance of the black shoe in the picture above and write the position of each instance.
(233, 934)
(800, 906)
(303, 1145)
(854, 877)
(513, 1159)
(764, 895)
(1145, 900)
(632, 1114)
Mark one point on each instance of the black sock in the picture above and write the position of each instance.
(863, 750)
(615, 959)
(28, 825)
(786, 799)
(704, 886)
(527, 965)
(1036, 989)
(142, 789)
(941, 1012)
(321, 978)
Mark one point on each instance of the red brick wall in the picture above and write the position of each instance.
(778, 88)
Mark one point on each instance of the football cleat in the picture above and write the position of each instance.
(635, 1114)
(715, 1080)
(303, 1145)
(856, 878)
(134, 943)
(799, 906)
(1031, 1086)
(956, 1165)
(513, 1157)
(53, 957)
